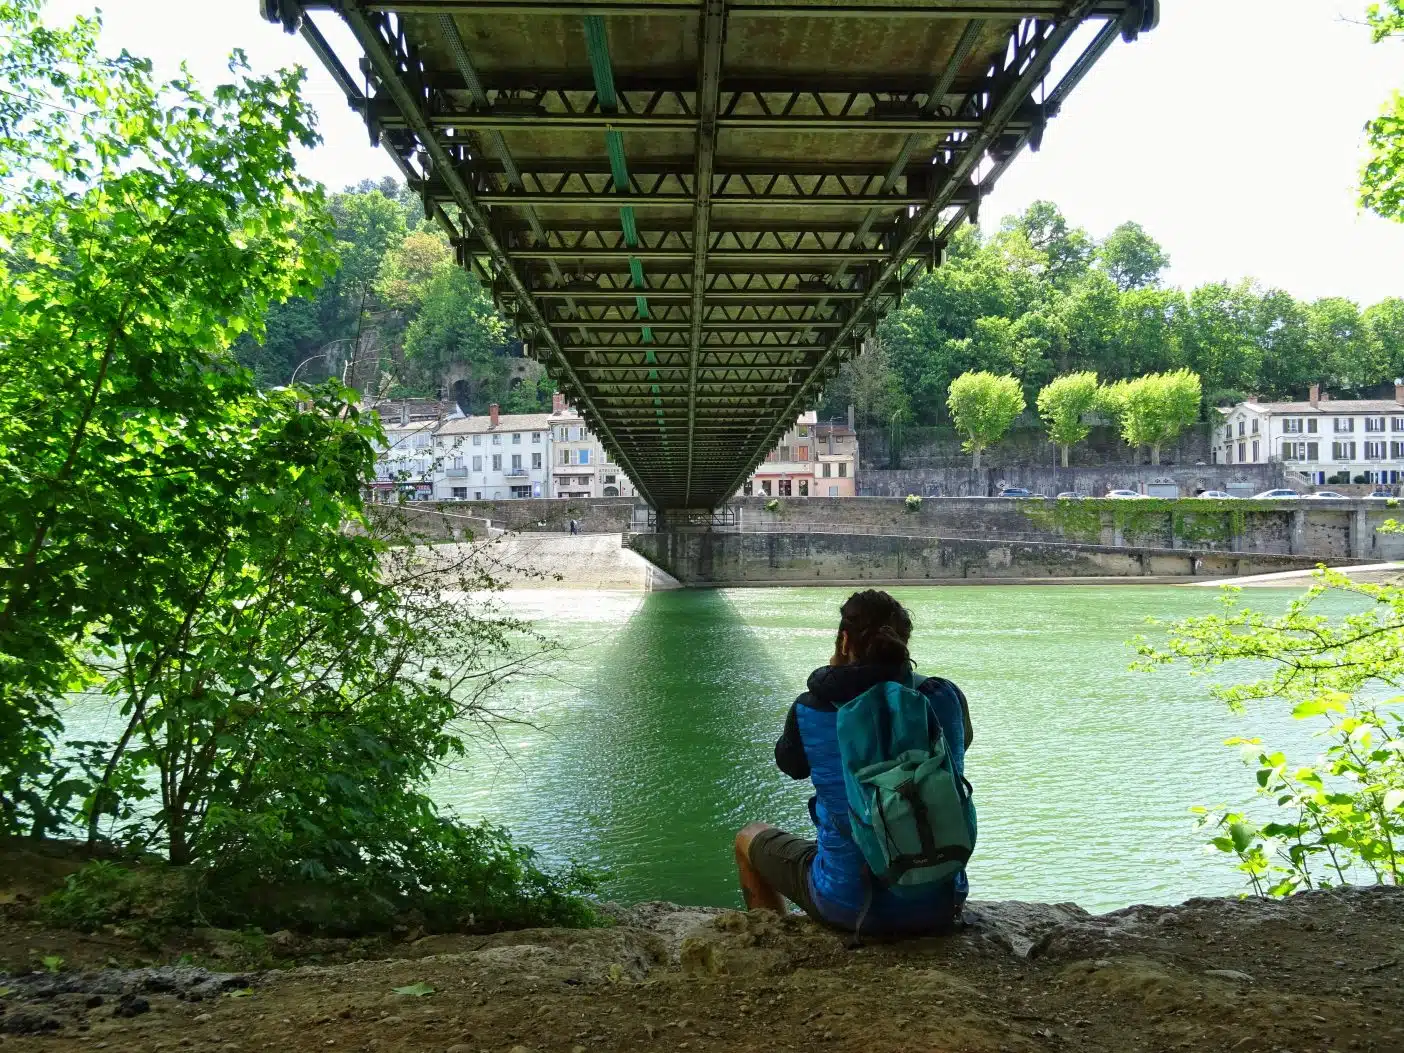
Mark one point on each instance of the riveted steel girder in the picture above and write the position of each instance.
(693, 211)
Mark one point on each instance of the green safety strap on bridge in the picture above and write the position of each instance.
(597, 45)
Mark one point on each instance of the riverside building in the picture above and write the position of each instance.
(812, 460)
(493, 457)
(580, 465)
(1324, 439)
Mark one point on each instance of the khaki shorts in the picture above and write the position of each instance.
(782, 860)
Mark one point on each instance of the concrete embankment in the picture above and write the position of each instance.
(560, 561)
(734, 559)
(1366, 573)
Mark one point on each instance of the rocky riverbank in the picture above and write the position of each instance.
(1319, 972)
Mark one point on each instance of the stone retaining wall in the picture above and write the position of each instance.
(720, 559)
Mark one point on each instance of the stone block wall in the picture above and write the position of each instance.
(1241, 480)
(719, 559)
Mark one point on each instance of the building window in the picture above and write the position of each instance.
(497, 462)
(460, 493)
(804, 487)
(1228, 431)
(565, 456)
(1242, 452)
(516, 438)
(609, 478)
(1375, 451)
(516, 462)
(477, 440)
(824, 469)
(1242, 427)
(1255, 426)
(804, 431)
(458, 463)
(765, 487)
(1374, 424)
(1228, 453)
(833, 491)
(536, 460)
(1256, 451)
(1396, 451)
(497, 440)
(1292, 426)
(584, 456)
(1345, 424)
(1311, 426)
(747, 487)
(536, 437)
(843, 469)
(521, 491)
(1313, 451)
(785, 488)
(477, 464)
(477, 495)
(1343, 451)
(802, 453)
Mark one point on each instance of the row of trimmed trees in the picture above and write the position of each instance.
(1151, 410)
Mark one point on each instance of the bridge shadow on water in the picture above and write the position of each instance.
(676, 753)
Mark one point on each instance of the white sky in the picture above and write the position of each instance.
(1233, 133)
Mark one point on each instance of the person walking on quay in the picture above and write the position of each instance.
(895, 821)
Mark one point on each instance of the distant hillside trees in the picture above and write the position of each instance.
(1039, 298)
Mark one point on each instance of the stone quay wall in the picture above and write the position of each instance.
(1094, 481)
(723, 559)
(1322, 530)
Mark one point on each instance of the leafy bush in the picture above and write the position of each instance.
(773, 505)
(913, 503)
(1341, 816)
(284, 675)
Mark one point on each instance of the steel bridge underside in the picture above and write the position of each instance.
(694, 211)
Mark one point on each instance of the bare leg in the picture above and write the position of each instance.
(754, 891)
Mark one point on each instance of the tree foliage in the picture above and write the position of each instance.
(283, 673)
(983, 407)
(1382, 181)
(1064, 405)
(1154, 409)
(1040, 298)
(1338, 819)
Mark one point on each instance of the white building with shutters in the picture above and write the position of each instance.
(1322, 438)
(492, 458)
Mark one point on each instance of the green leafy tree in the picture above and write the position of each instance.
(1382, 181)
(1132, 258)
(983, 406)
(1153, 410)
(147, 228)
(284, 673)
(1067, 250)
(457, 323)
(1337, 819)
(1064, 404)
(408, 269)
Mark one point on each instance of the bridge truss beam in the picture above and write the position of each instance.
(694, 211)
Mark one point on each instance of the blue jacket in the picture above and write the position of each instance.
(808, 749)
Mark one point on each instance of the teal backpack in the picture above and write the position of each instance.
(911, 815)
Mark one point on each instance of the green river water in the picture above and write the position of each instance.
(654, 736)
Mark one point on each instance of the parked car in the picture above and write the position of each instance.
(1123, 494)
(1014, 491)
(1328, 495)
(1276, 495)
(1379, 495)
(1072, 495)
(1216, 495)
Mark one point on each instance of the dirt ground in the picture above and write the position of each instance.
(1321, 972)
